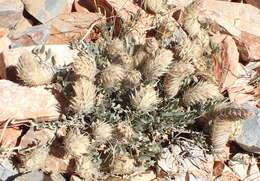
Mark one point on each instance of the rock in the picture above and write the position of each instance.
(249, 138)
(242, 21)
(35, 176)
(45, 10)
(6, 169)
(10, 137)
(148, 176)
(231, 75)
(67, 27)
(24, 103)
(42, 136)
(36, 35)
(23, 25)
(60, 165)
(11, 12)
(255, 3)
(4, 46)
(74, 178)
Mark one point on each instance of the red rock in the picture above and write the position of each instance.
(42, 136)
(81, 6)
(4, 45)
(231, 75)
(60, 165)
(11, 12)
(242, 21)
(255, 3)
(45, 10)
(10, 137)
(23, 103)
(36, 35)
(67, 27)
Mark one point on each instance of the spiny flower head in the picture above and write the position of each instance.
(33, 72)
(158, 65)
(154, 6)
(133, 78)
(102, 131)
(173, 80)
(35, 160)
(200, 93)
(85, 94)
(75, 143)
(145, 98)
(112, 75)
(85, 66)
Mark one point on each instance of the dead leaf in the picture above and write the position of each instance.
(218, 168)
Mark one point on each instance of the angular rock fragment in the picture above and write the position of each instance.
(11, 12)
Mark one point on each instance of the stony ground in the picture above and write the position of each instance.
(129, 90)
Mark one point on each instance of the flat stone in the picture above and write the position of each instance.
(11, 12)
(255, 3)
(249, 138)
(37, 176)
(36, 35)
(10, 137)
(242, 21)
(22, 103)
(67, 27)
(45, 10)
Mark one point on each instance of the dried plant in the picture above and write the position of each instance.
(140, 56)
(33, 72)
(232, 112)
(151, 45)
(200, 93)
(102, 131)
(158, 65)
(85, 94)
(112, 75)
(35, 160)
(76, 144)
(133, 78)
(173, 80)
(122, 164)
(145, 98)
(124, 130)
(220, 133)
(154, 6)
(86, 169)
(191, 24)
(85, 66)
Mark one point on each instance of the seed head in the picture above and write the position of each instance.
(85, 67)
(173, 80)
(112, 75)
(33, 72)
(86, 169)
(35, 160)
(85, 94)
(75, 143)
(133, 78)
(158, 65)
(154, 6)
(145, 99)
(102, 131)
(232, 112)
(140, 56)
(151, 45)
(200, 93)
(122, 164)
